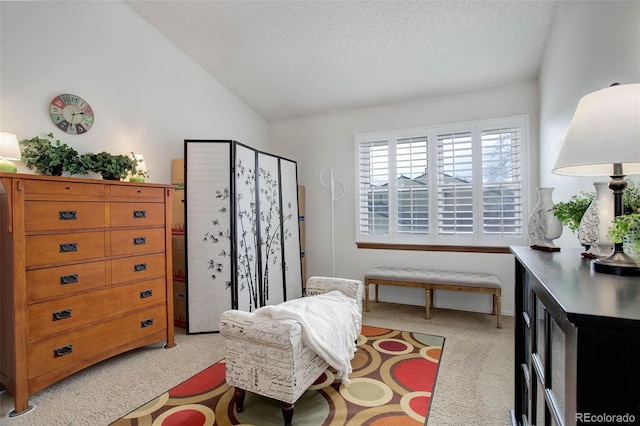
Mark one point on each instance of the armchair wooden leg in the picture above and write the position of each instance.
(287, 413)
(238, 399)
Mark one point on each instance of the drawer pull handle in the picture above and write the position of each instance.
(140, 267)
(62, 351)
(146, 293)
(60, 315)
(138, 241)
(139, 214)
(68, 215)
(68, 247)
(68, 279)
(146, 323)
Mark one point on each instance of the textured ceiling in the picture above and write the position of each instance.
(297, 58)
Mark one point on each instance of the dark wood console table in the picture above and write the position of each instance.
(577, 342)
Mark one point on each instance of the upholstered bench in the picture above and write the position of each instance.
(270, 357)
(436, 280)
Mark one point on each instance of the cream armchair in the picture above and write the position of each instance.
(268, 357)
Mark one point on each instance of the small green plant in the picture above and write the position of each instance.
(51, 158)
(111, 167)
(626, 229)
(570, 212)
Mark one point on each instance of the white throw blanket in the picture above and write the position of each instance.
(330, 324)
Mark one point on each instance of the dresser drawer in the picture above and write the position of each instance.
(135, 268)
(64, 280)
(58, 248)
(70, 313)
(64, 189)
(137, 214)
(64, 350)
(137, 192)
(63, 215)
(136, 241)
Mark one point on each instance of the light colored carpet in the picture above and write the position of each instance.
(474, 385)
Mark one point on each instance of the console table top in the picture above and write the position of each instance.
(578, 289)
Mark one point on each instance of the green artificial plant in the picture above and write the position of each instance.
(110, 166)
(570, 212)
(51, 158)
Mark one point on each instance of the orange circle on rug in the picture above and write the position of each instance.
(203, 382)
(405, 373)
(368, 330)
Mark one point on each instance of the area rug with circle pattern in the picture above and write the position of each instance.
(393, 379)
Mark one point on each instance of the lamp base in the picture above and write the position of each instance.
(617, 264)
(7, 166)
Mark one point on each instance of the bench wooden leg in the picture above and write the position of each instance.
(427, 303)
(238, 399)
(366, 296)
(498, 308)
(376, 292)
(287, 413)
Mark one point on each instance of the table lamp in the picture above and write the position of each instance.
(141, 169)
(604, 140)
(9, 150)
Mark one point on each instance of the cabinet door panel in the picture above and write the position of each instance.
(137, 214)
(136, 241)
(63, 215)
(60, 248)
(64, 280)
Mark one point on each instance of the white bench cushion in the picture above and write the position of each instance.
(471, 279)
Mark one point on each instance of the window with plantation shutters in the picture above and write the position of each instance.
(412, 180)
(373, 195)
(455, 180)
(451, 184)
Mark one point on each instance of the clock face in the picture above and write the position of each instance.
(71, 114)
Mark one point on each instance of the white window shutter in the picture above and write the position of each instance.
(455, 184)
(412, 182)
(373, 202)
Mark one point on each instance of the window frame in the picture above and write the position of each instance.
(478, 238)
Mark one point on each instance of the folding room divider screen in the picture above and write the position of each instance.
(241, 230)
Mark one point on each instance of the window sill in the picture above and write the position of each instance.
(422, 247)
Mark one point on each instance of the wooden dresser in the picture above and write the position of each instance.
(577, 342)
(85, 275)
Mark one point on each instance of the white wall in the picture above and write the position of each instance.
(327, 140)
(148, 96)
(592, 45)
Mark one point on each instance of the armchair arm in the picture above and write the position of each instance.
(242, 325)
(351, 288)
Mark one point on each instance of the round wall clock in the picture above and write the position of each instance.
(71, 114)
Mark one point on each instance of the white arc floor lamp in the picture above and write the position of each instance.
(332, 188)
(604, 140)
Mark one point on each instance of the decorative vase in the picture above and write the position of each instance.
(596, 221)
(544, 226)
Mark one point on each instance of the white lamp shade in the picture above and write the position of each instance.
(605, 129)
(9, 148)
(142, 166)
